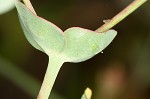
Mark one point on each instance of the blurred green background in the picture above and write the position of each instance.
(120, 72)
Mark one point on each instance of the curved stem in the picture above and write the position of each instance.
(29, 5)
(120, 16)
(53, 68)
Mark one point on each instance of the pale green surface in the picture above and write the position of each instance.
(83, 44)
(74, 45)
(53, 68)
(6, 5)
(42, 34)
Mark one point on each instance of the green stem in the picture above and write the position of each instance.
(22, 79)
(29, 5)
(120, 16)
(53, 68)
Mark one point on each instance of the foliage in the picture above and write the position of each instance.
(73, 45)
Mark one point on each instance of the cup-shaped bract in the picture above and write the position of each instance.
(73, 45)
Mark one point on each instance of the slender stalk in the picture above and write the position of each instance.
(120, 16)
(22, 79)
(50, 76)
(29, 5)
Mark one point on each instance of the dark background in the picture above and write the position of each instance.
(120, 72)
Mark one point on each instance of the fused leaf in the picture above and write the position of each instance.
(73, 45)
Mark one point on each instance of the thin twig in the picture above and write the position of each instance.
(29, 5)
(120, 16)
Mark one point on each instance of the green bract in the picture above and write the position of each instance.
(82, 44)
(73, 45)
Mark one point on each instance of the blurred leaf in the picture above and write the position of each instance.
(75, 45)
(6, 5)
(25, 81)
(87, 94)
(19, 77)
